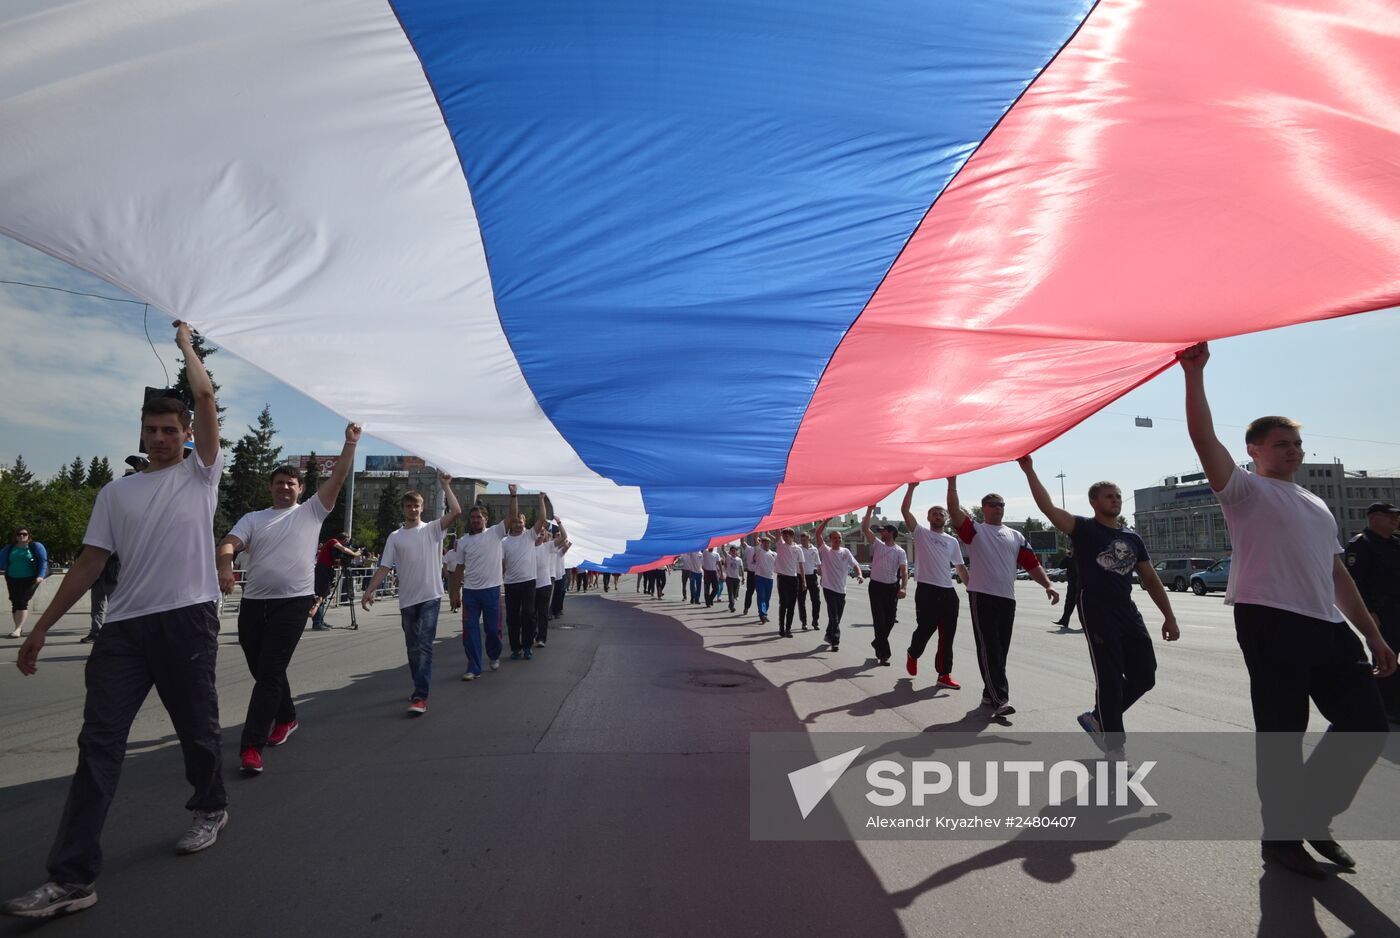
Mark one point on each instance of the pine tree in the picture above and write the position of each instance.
(182, 381)
(312, 479)
(75, 475)
(19, 472)
(387, 516)
(99, 473)
(254, 458)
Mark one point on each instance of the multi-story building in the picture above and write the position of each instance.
(1182, 517)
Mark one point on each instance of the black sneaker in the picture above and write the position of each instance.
(1291, 856)
(1331, 850)
(89, 638)
(52, 899)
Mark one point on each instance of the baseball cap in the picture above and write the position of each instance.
(1386, 507)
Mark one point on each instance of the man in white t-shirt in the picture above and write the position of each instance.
(889, 580)
(694, 569)
(518, 573)
(161, 631)
(837, 564)
(746, 551)
(279, 551)
(475, 567)
(936, 554)
(810, 587)
(764, 566)
(1292, 597)
(994, 551)
(791, 568)
(414, 551)
(733, 573)
(550, 545)
(709, 568)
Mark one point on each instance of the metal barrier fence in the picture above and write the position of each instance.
(346, 588)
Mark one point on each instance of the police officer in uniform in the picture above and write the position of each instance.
(1373, 557)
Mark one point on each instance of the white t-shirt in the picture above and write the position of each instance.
(789, 560)
(161, 524)
(518, 552)
(280, 549)
(748, 552)
(417, 553)
(733, 568)
(836, 567)
(764, 563)
(993, 551)
(1285, 540)
(545, 555)
(479, 556)
(691, 563)
(813, 558)
(709, 561)
(885, 561)
(935, 555)
(559, 568)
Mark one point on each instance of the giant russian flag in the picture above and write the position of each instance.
(697, 268)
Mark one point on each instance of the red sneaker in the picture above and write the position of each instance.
(417, 707)
(946, 680)
(251, 761)
(280, 732)
(911, 664)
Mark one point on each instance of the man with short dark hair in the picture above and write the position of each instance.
(936, 554)
(1373, 559)
(1292, 598)
(1120, 649)
(810, 588)
(162, 631)
(838, 563)
(889, 582)
(994, 552)
(791, 566)
(763, 564)
(709, 567)
(475, 565)
(415, 552)
(280, 544)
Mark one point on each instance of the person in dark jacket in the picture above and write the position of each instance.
(1373, 560)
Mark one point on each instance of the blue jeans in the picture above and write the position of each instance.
(764, 587)
(696, 579)
(419, 623)
(485, 605)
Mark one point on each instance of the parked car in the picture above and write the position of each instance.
(1056, 574)
(1022, 575)
(1175, 573)
(865, 570)
(1214, 577)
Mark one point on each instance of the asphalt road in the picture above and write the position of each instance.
(603, 789)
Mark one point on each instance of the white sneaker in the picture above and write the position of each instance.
(469, 676)
(495, 664)
(52, 899)
(14, 634)
(204, 830)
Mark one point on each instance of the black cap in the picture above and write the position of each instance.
(1386, 507)
(889, 527)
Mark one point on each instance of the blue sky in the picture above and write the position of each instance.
(73, 368)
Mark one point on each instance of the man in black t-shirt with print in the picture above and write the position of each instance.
(1120, 647)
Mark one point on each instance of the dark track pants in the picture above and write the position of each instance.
(175, 653)
(835, 606)
(556, 603)
(992, 618)
(884, 600)
(811, 591)
(520, 614)
(543, 595)
(935, 610)
(788, 588)
(711, 586)
(733, 583)
(1120, 649)
(748, 590)
(268, 632)
(1292, 658)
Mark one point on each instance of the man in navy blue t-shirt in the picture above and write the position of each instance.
(1120, 648)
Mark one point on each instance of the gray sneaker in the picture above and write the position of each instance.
(52, 899)
(204, 830)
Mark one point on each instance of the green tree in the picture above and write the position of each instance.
(977, 514)
(312, 479)
(1033, 524)
(58, 516)
(387, 516)
(182, 382)
(99, 473)
(19, 473)
(75, 475)
(254, 458)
